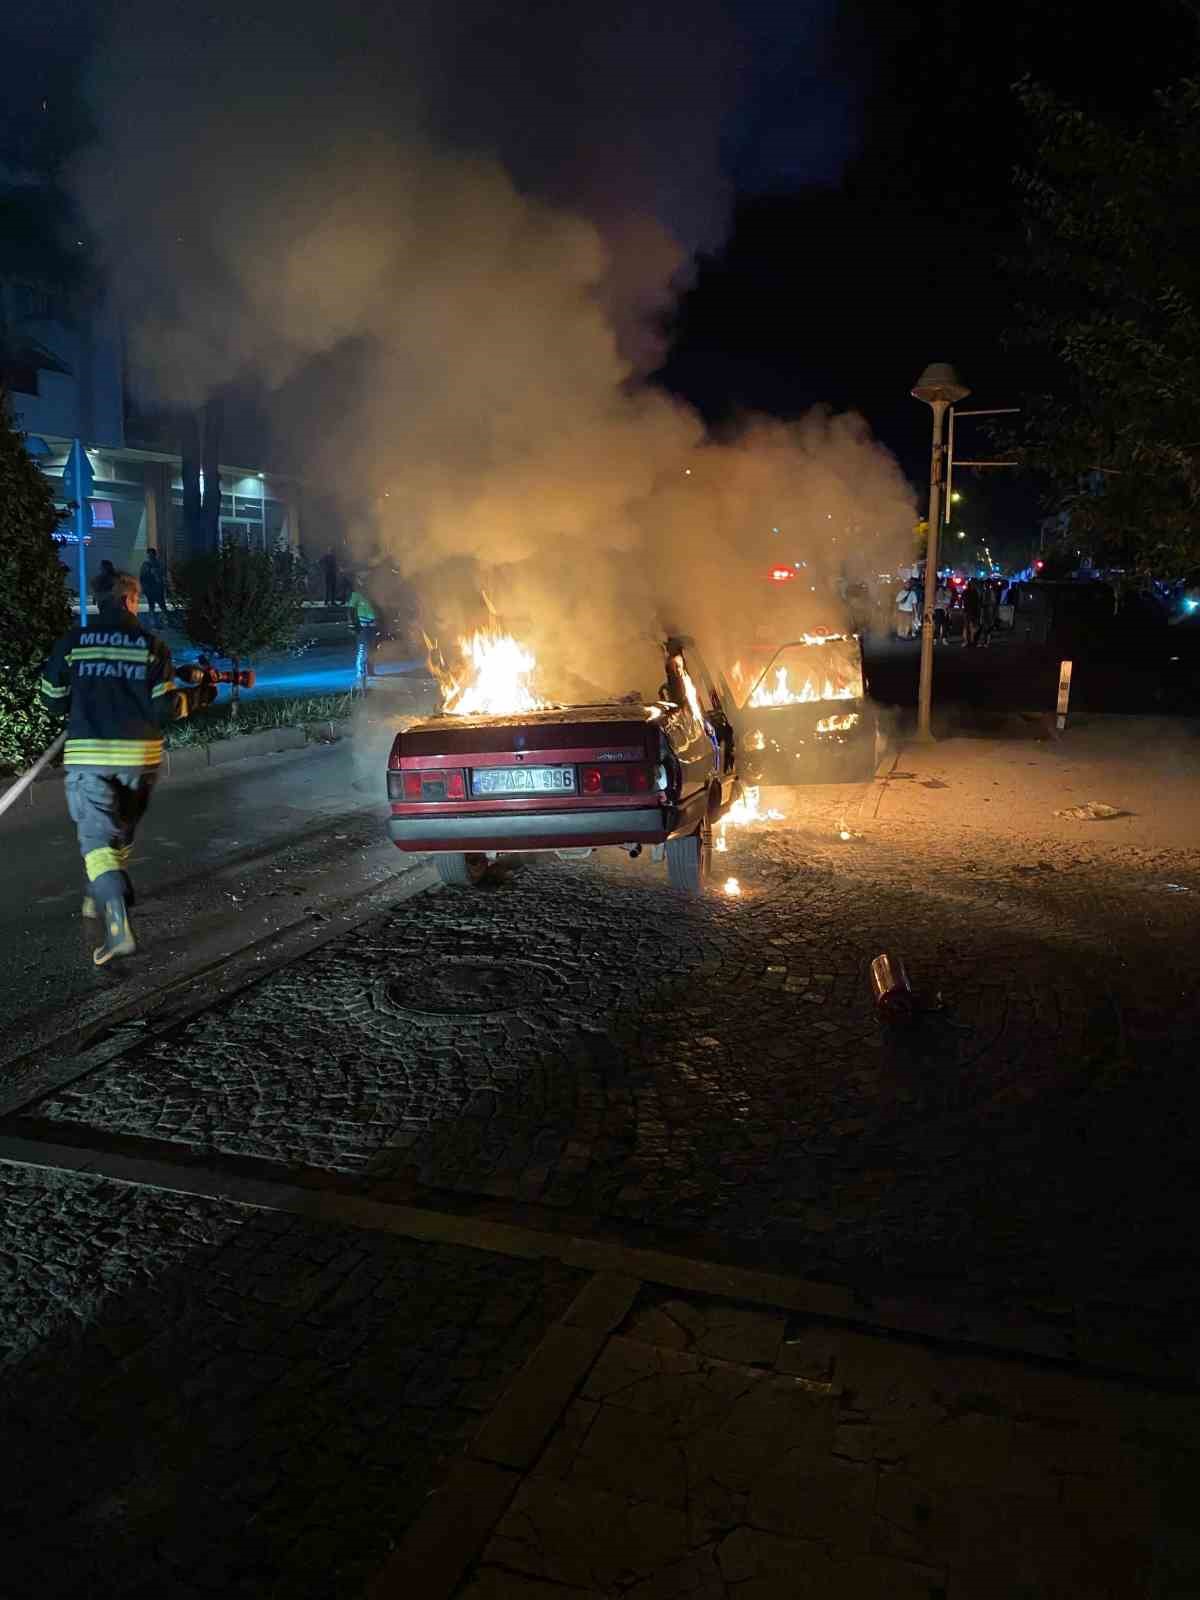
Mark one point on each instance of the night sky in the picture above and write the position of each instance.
(905, 249)
(842, 172)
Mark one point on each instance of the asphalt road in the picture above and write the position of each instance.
(222, 858)
(1135, 675)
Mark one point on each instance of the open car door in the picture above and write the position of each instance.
(801, 713)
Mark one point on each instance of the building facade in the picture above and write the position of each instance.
(136, 502)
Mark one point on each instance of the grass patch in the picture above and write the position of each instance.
(258, 716)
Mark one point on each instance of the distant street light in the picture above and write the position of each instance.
(940, 387)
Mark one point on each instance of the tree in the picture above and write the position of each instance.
(33, 595)
(1113, 308)
(237, 602)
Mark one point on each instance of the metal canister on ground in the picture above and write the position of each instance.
(891, 990)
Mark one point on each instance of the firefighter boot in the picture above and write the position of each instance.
(118, 935)
(90, 909)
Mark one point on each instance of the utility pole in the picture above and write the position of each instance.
(993, 411)
(940, 387)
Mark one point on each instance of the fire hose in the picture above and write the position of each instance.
(13, 794)
(202, 674)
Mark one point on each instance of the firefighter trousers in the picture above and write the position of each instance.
(106, 805)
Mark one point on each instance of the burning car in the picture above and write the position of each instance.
(801, 711)
(501, 770)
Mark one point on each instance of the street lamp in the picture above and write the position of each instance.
(940, 387)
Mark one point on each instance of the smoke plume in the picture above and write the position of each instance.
(443, 240)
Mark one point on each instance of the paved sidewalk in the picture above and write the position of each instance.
(1010, 789)
(725, 1452)
(274, 1395)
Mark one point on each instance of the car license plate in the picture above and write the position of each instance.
(523, 780)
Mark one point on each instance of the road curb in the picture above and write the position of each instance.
(221, 753)
(242, 747)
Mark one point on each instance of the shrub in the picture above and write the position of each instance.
(33, 596)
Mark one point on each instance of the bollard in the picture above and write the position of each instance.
(891, 990)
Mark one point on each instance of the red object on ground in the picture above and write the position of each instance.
(891, 990)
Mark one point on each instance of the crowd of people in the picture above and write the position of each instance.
(978, 600)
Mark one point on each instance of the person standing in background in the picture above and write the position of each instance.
(329, 567)
(906, 605)
(987, 613)
(102, 583)
(154, 587)
(366, 625)
(941, 612)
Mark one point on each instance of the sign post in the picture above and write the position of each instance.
(77, 486)
(1064, 693)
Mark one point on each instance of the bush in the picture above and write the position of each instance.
(235, 602)
(217, 722)
(33, 596)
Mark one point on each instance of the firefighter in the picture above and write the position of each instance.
(113, 681)
(365, 622)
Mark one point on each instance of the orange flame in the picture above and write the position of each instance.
(493, 678)
(780, 691)
(829, 675)
(749, 809)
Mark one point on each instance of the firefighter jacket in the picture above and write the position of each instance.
(114, 682)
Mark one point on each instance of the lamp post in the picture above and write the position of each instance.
(940, 387)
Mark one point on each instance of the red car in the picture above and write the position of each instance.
(570, 779)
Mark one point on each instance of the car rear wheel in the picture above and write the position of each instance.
(689, 860)
(462, 871)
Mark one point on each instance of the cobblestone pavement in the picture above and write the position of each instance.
(578, 1036)
(718, 1452)
(204, 1399)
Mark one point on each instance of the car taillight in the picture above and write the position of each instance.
(445, 784)
(616, 780)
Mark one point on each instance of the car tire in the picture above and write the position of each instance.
(464, 872)
(689, 859)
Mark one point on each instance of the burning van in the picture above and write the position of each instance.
(801, 713)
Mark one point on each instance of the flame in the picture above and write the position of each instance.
(689, 689)
(778, 690)
(838, 724)
(492, 679)
(831, 674)
(749, 809)
(732, 887)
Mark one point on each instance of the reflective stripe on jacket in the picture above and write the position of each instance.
(114, 681)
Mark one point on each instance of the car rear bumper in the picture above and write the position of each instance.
(534, 830)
